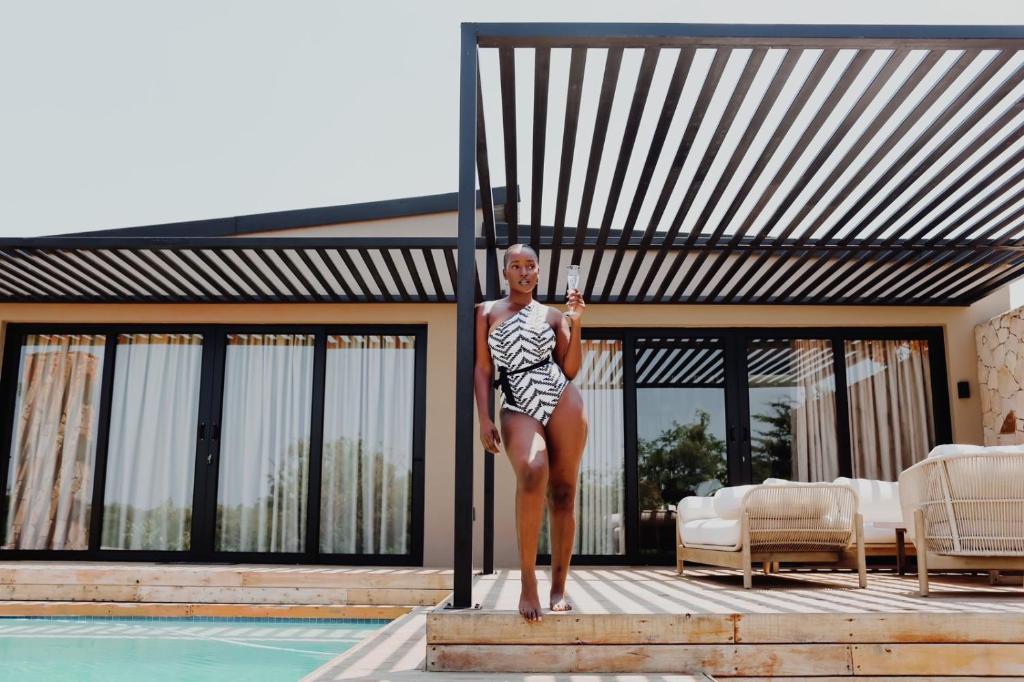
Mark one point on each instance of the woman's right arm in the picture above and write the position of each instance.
(483, 375)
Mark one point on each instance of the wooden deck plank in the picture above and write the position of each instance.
(937, 659)
(240, 595)
(202, 575)
(880, 628)
(189, 610)
(498, 627)
(712, 659)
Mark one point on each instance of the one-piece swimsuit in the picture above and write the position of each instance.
(531, 381)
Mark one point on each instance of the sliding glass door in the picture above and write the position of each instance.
(151, 451)
(264, 449)
(702, 409)
(206, 443)
(52, 456)
(681, 430)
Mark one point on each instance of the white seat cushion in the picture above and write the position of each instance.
(879, 500)
(873, 535)
(963, 449)
(724, 533)
(693, 508)
(729, 501)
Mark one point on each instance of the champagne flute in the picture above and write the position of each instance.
(572, 281)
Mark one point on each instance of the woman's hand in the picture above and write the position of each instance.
(576, 304)
(490, 436)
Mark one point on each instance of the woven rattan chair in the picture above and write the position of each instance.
(967, 512)
(801, 523)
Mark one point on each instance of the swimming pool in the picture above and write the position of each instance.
(164, 649)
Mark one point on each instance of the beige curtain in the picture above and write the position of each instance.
(890, 395)
(600, 524)
(50, 476)
(813, 414)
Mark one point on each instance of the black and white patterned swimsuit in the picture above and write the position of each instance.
(531, 381)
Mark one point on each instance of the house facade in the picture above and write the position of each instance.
(193, 401)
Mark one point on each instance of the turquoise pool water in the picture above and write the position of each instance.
(159, 650)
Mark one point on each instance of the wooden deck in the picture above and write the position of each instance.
(799, 624)
(149, 589)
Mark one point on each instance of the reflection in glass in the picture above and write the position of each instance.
(152, 449)
(792, 409)
(367, 458)
(681, 446)
(600, 524)
(264, 453)
(892, 424)
(48, 498)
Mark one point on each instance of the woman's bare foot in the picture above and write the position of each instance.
(559, 602)
(529, 601)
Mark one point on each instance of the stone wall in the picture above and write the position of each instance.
(1000, 343)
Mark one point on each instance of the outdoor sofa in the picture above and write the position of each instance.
(965, 504)
(769, 524)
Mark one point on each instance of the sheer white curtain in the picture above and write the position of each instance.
(368, 440)
(813, 413)
(264, 453)
(53, 452)
(152, 447)
(892, 425)
(600, 501)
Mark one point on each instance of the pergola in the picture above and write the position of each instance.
(736, 164)
(691, 164)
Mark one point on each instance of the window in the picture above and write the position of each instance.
(214, 443)
(48, 496)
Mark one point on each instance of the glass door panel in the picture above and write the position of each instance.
(366, 489)
(889, 388)
(681, 430)
(600, 501)
(48, 497)
(264, 450)
(151, 453)
(792, 410)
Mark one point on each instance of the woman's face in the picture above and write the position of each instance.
(522, 271)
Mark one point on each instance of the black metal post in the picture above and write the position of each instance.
(492, 293)
(464, 340)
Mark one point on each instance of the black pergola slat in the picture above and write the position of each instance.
(637, 105)
(933, 129)
(612, 67)
(682, 153)
(732, 107)
(573, 98)
(541, 81)
(878, 81)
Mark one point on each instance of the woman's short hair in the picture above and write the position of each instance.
(517, 248)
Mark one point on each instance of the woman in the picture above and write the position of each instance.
(543, 423)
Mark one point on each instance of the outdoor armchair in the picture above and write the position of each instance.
(769, 524)
(966, 506)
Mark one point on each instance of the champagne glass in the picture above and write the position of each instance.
(572, 281)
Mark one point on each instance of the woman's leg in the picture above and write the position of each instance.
(523, 437)
(567, 436)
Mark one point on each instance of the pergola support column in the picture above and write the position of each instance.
(464, 341)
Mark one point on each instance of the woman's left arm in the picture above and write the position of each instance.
(568, 337)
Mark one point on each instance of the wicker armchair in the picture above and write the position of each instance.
(805, 523)
(967, 511)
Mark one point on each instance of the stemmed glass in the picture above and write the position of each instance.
(572, 281)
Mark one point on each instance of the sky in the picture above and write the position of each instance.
(115, 114)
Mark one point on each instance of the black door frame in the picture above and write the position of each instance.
(207, 444)
(735, 340)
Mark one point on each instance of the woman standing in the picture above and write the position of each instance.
(535, 351)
